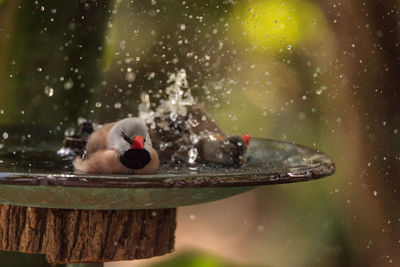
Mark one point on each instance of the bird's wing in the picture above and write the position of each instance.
(104, 161)
(98, 139)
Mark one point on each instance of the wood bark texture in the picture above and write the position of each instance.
(71, 236)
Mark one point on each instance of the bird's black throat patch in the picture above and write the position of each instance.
(135, 158)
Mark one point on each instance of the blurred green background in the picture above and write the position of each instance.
(320, 73)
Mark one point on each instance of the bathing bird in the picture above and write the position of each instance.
(119, 147)
(195, 134)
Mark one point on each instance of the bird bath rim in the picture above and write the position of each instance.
(268, 162)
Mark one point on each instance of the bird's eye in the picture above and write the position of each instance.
(126, 138)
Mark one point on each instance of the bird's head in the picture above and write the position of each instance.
(131, 139)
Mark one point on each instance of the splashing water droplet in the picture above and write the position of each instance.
(122, 45)
(117, 105)
(68, 84)
(173, 116)
(130, 77)
(194, 138)
(49, 91)
(178, 99)
(193, 122)
(321, 89)
(193, 153)
(5, 135)
(173, 109)
(69, 132)
(145, 112)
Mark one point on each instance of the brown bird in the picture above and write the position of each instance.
(119, 147)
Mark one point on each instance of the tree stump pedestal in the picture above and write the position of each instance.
(80, 236)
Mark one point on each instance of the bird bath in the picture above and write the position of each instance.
(46, 208)
(73, 217)
(42, 179)
(37, 177)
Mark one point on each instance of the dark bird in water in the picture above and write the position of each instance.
(195, 134)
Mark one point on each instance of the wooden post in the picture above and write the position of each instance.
(72, 236)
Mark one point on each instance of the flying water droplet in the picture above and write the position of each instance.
(68, 84)
(193, 153)
(163, 146)
(49, 91)
(173, 116)
(130, 77)
(193, 122)
(117, 105)
(69, 132)
(122, 45)
(321, 89)
(194, 139)
(178, 99)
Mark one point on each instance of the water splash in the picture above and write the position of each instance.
(172, 115)
(192, 155)
(179, 97)
(145, 111)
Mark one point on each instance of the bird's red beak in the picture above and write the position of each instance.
(246, 139)
(138, 142)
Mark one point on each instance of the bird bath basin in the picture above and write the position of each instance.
(42, 179)
(76, 217)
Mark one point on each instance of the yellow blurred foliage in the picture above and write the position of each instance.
(276, 25)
